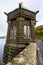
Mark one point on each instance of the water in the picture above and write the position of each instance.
(40, 45)
(2, 43)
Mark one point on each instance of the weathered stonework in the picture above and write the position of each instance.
(26, 57)
(19, 45)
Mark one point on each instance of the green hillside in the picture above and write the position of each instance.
(39, 32)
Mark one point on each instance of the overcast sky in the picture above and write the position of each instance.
(9, 5)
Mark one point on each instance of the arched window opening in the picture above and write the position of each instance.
(27, 32)
(24, 31)
(13, 32)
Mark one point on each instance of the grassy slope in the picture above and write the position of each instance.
(39, 32)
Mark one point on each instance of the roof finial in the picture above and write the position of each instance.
(37, 11)
(5, 13)
(20, 5)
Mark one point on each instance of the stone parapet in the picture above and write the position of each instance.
(26, 57)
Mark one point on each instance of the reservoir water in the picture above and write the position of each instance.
(2, 43)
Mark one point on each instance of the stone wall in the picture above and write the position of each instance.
(26, 57)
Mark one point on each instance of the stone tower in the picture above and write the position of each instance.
(20, 33)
